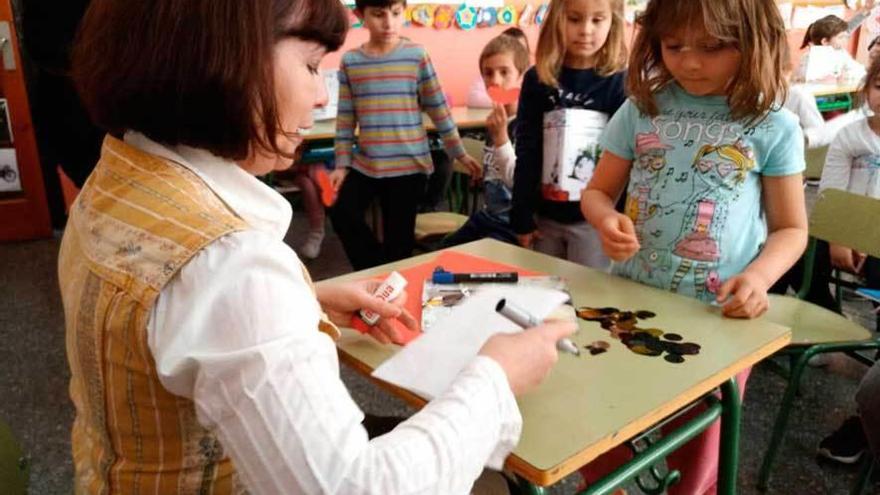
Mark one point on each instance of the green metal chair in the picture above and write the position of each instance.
(14, 469)
(841, 218)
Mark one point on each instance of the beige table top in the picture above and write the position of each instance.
(464, 117)
(590, 404)
(818, 89)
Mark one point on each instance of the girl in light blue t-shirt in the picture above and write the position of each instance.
(715, 206)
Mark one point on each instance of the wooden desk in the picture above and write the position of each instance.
(591, 404)
(465, 118)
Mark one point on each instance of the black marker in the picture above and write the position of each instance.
(441, 276)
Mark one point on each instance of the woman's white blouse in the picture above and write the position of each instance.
(236, 332)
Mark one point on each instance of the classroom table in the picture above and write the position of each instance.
(590, 404)
(833, 97)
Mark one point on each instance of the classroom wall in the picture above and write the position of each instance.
(455, 52)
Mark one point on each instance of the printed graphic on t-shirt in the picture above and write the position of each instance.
(865, 175)
(687, 175)
(571, 151)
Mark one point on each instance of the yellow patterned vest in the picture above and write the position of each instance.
(138, 219)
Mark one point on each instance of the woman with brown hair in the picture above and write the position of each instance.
(192, 329)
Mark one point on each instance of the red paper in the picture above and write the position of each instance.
(328, 194)
(415, 277)
(503, 96)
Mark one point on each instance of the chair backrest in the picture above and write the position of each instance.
(14, 470)
(848, 219)
(473, 147)
(815, 158)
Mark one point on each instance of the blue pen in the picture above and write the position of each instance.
(442, 276)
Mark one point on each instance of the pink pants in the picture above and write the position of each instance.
(697, 460)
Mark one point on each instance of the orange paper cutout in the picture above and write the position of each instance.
(328, 194)
(503, 96)
(415, 277)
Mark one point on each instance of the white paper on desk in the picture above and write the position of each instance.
(429, 364)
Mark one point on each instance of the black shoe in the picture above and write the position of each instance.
(845, 445)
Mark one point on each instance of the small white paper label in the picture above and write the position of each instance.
(10, 179)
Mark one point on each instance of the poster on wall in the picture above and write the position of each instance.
(9, 176)
(471, 3)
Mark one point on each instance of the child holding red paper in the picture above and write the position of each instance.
(502, 63)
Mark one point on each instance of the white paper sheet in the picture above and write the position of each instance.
(429, 364)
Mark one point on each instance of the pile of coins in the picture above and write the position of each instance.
(623, 326)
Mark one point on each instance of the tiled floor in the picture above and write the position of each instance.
(34, 400)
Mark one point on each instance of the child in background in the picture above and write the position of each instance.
(502, 63)
(853, 165)
(384, 86)
(705, 158)
(874, 50)
(831, 33)
(801, 102)
(578, 75)
(305, 177)
(477, 96)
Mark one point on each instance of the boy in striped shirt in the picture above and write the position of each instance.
(384, 85)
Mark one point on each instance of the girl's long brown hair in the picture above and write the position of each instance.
(754, 27)
(826, 27)
(551, 44)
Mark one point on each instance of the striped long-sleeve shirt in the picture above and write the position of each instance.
(384, 96)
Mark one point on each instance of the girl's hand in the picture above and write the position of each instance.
(496, 124)
(341, 302)
(743, 296)
(844, 258)
(336, 178)
(528, 240)
(472, 165)
(618, 236)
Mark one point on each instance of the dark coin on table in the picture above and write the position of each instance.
(597, 350)
(635, 339)
(590, 314)
(627, 323)
(689, 348)
(600, 344)
(645, 351)
(655, 344)
(673, 337)
(644, 314)
(655, 332)
(673, 358)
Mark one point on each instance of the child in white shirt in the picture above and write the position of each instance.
(826, 40)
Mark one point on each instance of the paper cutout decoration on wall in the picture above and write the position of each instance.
(541, 13)
(503, 96)
(466, 17)
(487, 17)
(443, 16)
(507, 15)
(423, 15)
(527, 15)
